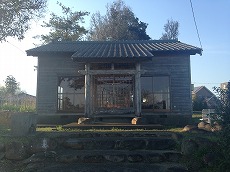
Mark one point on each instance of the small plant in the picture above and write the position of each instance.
(18, 108)
(59, 128)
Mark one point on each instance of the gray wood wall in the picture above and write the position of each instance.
(49, 68)
(176, 67)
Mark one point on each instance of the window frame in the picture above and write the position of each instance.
(72, 95)
(153, 93)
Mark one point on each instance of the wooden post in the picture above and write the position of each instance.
(138, 90)
(87, 91)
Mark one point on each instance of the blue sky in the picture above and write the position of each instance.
(212, 17)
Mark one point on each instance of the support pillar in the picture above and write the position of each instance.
(87, 91)
(138, 90)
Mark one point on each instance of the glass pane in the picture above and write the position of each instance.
(155, 92)
(161, 101)
(161, 84)
(147, 101)
(71, 96)
(146, 84)
(72, 84)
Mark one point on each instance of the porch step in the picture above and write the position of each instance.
(109, 126)
(108, 118)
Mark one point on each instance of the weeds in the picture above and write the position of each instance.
(17, 108)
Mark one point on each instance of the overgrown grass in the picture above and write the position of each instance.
(60, 128)
(17, 108)
(196, 118)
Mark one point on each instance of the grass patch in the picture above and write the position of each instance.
(59, 128)
(196, 118)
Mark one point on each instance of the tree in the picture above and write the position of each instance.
(199, 104)
(171, 29)
(119, 23)
(223, 106)
(15, 16)
(65, 28)
(2, 92)
(11, 85)
(224, 136)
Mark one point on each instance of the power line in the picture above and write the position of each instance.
(16, 47)
(205, 83)
(196, 24)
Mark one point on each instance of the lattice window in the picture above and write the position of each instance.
(114, 93)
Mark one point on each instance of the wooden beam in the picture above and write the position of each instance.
(87, 91)
(138, 90)
(111, 72)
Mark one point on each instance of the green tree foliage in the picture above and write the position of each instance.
(119, 23)
(66, 27)
(15, 16)
(223, 107)
(11, 85)
(2, 92)
(10, 97)
(199, 104)
(171, 29)
(224, 136)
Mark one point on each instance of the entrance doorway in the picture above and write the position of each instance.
(113, 94)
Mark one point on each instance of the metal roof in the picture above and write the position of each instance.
(115, 49)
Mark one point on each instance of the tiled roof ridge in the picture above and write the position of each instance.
(117, 41)
(128, 48)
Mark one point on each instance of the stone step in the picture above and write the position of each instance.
(110, 167)
(120, 143)
(123, 134)
(118, 156)
(89, 151)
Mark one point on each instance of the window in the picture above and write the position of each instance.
(71, 94)
(155, 93)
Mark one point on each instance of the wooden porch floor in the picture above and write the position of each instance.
(106, 126)
(110, 126)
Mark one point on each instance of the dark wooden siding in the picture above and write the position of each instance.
(49, 68)
(178, 69)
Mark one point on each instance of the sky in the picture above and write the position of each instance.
(212, 19)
